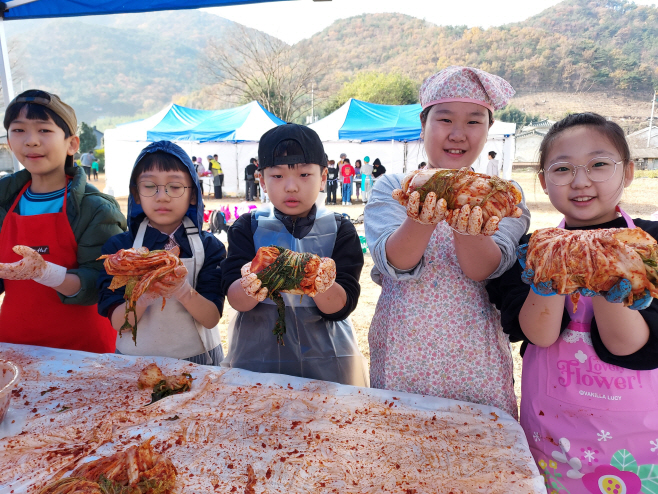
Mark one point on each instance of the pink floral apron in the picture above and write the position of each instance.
(439, 335)
(592, 427)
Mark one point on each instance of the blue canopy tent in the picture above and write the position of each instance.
(392, 134)
(40, 9)
(232, 134)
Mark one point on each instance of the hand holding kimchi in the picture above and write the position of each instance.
(470, 202)
(144, 273)
(276, 270)
(594, 260)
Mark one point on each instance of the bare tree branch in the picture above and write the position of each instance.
(255, 66)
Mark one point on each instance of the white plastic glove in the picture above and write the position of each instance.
(173, 285)
(432, 211)
(33, 267)
(469, 221)
(251, 284)
(326, 275)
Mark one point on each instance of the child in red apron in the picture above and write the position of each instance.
(590, 385)
(52, 229)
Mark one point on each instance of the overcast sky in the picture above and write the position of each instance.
(294, 20)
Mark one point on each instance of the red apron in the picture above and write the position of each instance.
(33, 314)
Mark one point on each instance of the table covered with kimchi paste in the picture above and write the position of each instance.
(296, 435)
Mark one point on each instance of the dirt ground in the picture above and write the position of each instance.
(639, 201)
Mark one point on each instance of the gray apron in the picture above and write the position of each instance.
(315, 348)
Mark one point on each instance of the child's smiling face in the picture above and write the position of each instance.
(293, 191)
(164, 212)
(455, 134)
(41, 146)
(584, 202)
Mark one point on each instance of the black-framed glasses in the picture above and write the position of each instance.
(598, 169)
(172, 189)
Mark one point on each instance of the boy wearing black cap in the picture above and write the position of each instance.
(319, 339)
(52, 227)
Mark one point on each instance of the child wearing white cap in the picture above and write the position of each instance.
(434, 331)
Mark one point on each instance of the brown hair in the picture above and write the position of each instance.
(597, 122)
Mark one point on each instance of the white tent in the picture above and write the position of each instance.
(392, 134)
(232, 134)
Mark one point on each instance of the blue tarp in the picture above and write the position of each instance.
(372, 122)
(244, 123)
(71, 8)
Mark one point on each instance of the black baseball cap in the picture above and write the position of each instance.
(308, 140)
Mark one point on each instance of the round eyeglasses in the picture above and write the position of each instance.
(598, 169)
(172, 189)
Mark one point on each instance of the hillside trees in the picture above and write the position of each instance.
(253, 66)
(87, 138)
(375, 87)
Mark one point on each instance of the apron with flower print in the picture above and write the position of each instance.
(592, 427)
(439, 335)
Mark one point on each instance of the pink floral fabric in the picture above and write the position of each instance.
(466, 84)
(439, 335)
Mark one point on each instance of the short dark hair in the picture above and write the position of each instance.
(193, 159)
(34, 111)
(290, 147)
(492, 154)
(593, 120)
(161, 161)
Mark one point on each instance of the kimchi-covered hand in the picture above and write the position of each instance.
(33, 267)
(251, 284)
(543, 288)
(172, 285)
(326, 275)
(619, 292)
(471, 203)
(431, 212)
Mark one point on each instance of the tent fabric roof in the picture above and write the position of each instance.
(70, 8)
(178, 123)
(244, 123)
(361, 121)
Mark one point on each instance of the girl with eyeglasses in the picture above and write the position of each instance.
(165, 211)
(590, 386)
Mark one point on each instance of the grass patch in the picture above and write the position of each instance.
(646, 173)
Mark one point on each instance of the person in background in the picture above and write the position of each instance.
(165, 210)
(217, 174)
(332, 182)
(50, 297)
(340, 164)
(422, 165)
(347, 172)
(377, 168)
(250, 180)
(493, 165)
(94, 169)
(86, 160)
(221, 172)
(200, 170)
(366, 178)
(357, 178)
(319, 339)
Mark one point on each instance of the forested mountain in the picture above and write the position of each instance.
(135, 63)
(114, 65)
(578, 45)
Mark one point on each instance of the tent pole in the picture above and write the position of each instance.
(237, 172)
(5, 76)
